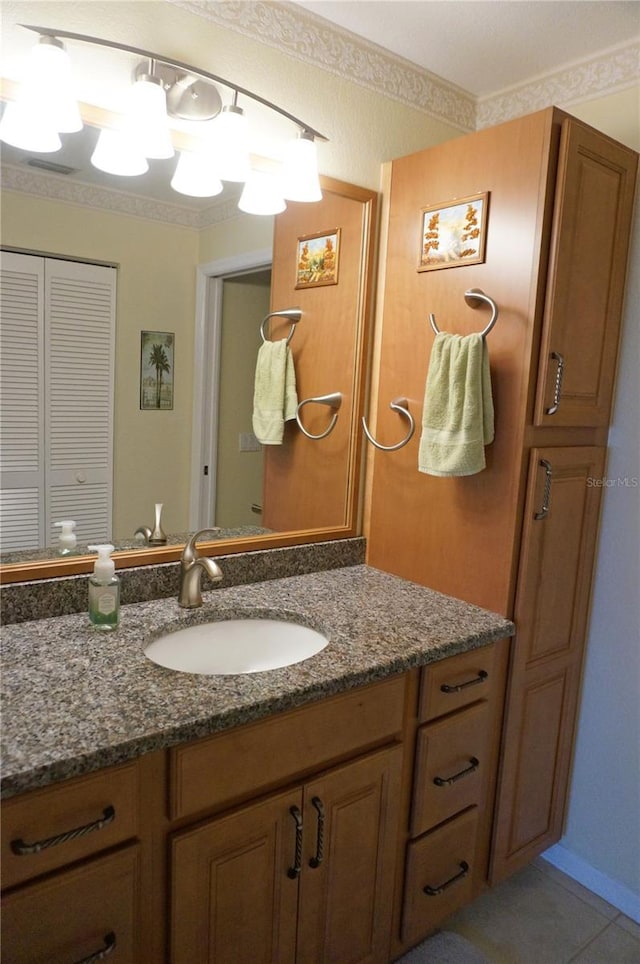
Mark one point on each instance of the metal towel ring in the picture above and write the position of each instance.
(293, 314)
(401, 406)
(474, 297)
(333, 400)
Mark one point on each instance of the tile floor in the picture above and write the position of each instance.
(541, 916)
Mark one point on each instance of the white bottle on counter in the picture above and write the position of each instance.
(67, 539)
(104, 590)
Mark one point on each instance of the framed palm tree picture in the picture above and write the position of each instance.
(156, 370)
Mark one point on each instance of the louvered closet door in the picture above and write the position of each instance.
(79, 353)
(21, 402)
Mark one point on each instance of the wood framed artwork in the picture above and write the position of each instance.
(453, 233)
(317, 260)
(156, 370)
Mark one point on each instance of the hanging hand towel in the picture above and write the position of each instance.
(274, 399)
(457, 419)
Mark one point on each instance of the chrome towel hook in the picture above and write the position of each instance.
(293, 314)
(401, 406)
(474, 298)
(333, 400)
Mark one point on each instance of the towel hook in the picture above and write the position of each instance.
(333, 400)
(401, 406)
(293, 314)
(474, 297)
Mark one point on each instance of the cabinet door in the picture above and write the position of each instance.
(351, 838)
(592, 223)
(76, 915)
(551, 616)
(235, 890)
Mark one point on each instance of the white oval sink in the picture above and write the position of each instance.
(230, 646)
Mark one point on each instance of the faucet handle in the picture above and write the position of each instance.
(190, 552)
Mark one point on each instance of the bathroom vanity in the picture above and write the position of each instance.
(276, 817)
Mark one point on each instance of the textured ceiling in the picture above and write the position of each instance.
(486, 47)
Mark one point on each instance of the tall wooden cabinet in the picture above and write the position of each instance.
(520, 536)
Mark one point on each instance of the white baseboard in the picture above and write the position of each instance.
(615, 893)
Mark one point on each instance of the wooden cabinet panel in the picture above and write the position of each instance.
(458, 681)
(233, 899)
(346, 899)
(241, 762)
(443, 863)
(106, 802)
(592, 224)
(451, 763)
(77, 913)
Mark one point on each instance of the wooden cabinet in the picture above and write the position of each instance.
(304, 876)
(460, 713)
(560, 200)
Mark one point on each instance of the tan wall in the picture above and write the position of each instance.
(156, 292)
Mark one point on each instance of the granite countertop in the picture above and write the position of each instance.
(75, 699)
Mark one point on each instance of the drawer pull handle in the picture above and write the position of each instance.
(294, 871)
(436, 891)
(546, 498)
(319, 807)
(109, 948)
(480, 678)
(557, 388)
(23, 849)
(474, 763)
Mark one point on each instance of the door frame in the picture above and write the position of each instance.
(210, 278)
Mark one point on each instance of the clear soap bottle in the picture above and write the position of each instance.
(104, 590)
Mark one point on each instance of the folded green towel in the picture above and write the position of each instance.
(457, 418)
(274, 399)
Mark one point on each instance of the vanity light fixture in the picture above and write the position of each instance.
(162, 89)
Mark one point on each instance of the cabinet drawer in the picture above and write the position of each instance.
(103, 804)
(75, 914)
(439, 875)
(242, 762)
(451, 766)
(457, 682)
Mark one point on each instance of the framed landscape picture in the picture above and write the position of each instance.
(156, 370)
(453, 233)
(317, 261)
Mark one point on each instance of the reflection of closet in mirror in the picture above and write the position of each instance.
(57, 337)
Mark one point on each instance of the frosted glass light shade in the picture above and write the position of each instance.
(300, 171)
(262, 194)
(231, 145)
(195, 176)
(24, 128)
(115, 154)
(49, 86)
(146, 119)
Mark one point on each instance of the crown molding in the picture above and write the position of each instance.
(56, 187)
(311, 39)
(612, 70)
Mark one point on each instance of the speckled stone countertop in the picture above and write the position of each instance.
(76, 699)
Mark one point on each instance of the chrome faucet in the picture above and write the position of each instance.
(191, 566)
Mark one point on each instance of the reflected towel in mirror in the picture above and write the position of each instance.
(275, 398)
(457, 418)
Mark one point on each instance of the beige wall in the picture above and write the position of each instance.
(156, 292)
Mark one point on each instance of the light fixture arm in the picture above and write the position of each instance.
(178, 65)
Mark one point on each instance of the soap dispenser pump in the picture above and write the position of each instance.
(67, 539)
(104, 590)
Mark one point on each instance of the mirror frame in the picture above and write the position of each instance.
(147, 556)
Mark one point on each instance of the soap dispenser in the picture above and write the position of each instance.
(67, 539)
(104, 590)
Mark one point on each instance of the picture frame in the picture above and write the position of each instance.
(453, 233)
(317, 259)
(157, 349)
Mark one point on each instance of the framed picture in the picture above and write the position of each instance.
(453, 234)
(156, 370)
(317, 261)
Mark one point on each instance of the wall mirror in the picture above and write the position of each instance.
(207, 275)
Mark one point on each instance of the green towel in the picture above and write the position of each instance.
(457, 418)
(274, 399)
